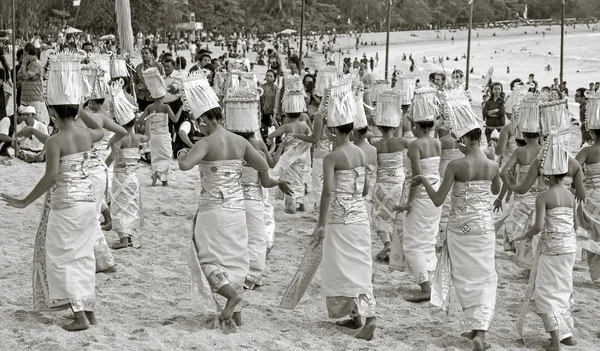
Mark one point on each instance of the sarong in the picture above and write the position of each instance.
(269, 219)
(447, 156)
(126, 209)
(220, 239)
(104, 258)
(347, 264)
(588, 214)
(421, 227)
(387, 193)
(292, 168)
(467, 259)
(322, 149)
(161, 149)
(552, 274)
(63, 260)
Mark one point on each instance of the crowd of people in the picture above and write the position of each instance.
(402, 161)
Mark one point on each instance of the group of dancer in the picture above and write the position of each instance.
(403, 163)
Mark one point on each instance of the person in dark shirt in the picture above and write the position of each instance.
(580, 98)
(533, 83)
(493, 111)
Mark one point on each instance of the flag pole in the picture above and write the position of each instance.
(469, 47)
(301, 32)
(562, 45)
(387, 39)
(13, 79)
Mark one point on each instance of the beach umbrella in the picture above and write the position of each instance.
(107, 37)
(71, 30)
(287, 32)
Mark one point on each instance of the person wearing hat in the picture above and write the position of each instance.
(521, 160)
(589, 158)
(29, 148)
(390, 175)
(219, 247)
(143, 95)
(296, 158)
(126, 207)
(157, 116)
(242, 111)
(467, 260)
(420, 226)
(557, 248)
(345, 230)
(64, 258)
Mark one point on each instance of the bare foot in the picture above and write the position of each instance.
(237, 318)
(80, 323)
(478, 344)
(352, 323)
(154, 179)
(367, 332)
(109, 270)
(570, 341)
(420, 297)
(90, 317)
(552, 347)
(301, 208)
(227, 313)
(107, 227)
(383, 254)
(123, 243)
(469, 335)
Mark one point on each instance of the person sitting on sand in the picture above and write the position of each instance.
(29, 148)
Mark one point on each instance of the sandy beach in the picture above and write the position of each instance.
(147, 304)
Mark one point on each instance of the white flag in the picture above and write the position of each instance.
(76, 2)
(525, 12)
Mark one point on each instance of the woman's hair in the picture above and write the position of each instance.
(596, 132)
(368, 79)
(294, 114)
(425, 124)
(4, 64)
(346, 128)
(214, 114)
(30, 49)
(530, 135)
(271, 71)
(457, 71)
(362, 131)
(501, 88)
(66, 111)
(181, 62)
(515, 82)
(306, 77)
(520, 142)
(431, 76)
(130, 123)
(245, 135)
(558, 177)
(385, 129)
(473, 134)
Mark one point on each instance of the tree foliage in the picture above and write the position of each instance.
(264, 16)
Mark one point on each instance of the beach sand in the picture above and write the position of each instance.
(147, 304)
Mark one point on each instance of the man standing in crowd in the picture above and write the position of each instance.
(143, 95)
(269, 103)
(582, 101)
(32, 93)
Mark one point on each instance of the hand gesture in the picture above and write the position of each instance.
(285, 187)
(26, 132)
(13, 202)
(319, 234)
(497, 205)
(418, 180)
(406, 207)
(525, 237)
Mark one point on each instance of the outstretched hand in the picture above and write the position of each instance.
(13, 202)
(285, 187)
(406, 207)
